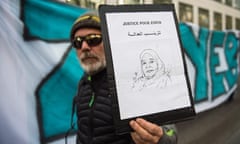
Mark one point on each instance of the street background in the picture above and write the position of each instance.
(220, 125)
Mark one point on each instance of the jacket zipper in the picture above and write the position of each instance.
(91, 106)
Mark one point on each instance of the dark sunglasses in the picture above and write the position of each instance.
(91, 39)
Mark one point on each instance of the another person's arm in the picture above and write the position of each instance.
(149, 133)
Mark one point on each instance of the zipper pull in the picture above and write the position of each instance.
(89, 78)
(91, 100)
(93, 94)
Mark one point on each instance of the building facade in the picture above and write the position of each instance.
(212, 14)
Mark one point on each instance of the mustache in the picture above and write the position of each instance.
(85, 55)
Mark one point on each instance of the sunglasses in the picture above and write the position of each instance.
(91, 39)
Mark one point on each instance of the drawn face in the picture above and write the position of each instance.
(149, 65)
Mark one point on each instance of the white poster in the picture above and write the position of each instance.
(147, 63)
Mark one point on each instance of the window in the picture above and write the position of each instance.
(238, 24)
(92, 4)
(228, 2)
(203, 18)
(185, 12)
(161, 1)
(228, 22)
(237, 4)
(218, 0)
(133, 1)
(217, 21)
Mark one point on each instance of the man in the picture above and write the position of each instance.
(94, 107)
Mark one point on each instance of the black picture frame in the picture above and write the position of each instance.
(169, 116)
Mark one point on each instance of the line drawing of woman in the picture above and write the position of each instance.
(153, 72)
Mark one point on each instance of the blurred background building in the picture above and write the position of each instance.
(212, 14)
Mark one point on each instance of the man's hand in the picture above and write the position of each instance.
(145, 132)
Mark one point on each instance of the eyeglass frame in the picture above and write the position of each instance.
(86, 38)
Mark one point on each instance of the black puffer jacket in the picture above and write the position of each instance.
(95, 119)
(94, 111)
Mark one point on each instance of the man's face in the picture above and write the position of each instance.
(92, 58)
(149, 66)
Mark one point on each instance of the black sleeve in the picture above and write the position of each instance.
(169, 135)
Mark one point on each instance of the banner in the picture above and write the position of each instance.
(40, 71)
(213, 64)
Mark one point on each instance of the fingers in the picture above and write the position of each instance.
(136, 138)
(139, 140)
(140, 131)
(145, 132)
(150, 127)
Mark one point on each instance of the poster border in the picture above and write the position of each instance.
(161, 118)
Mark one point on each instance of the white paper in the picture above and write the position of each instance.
(147, 61)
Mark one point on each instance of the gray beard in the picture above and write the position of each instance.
(92, 69)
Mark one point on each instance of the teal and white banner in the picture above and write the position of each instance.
(212, 62)
(40, 71)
